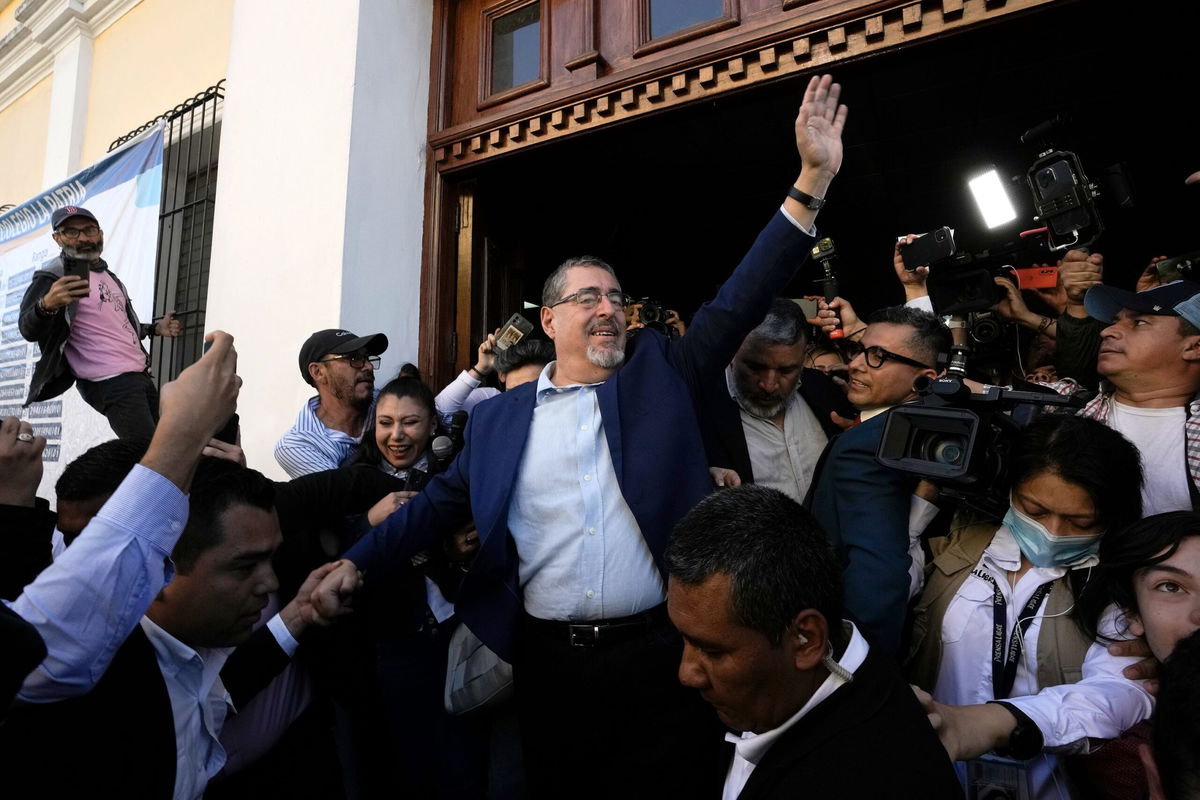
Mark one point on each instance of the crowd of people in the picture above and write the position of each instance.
(607, 562)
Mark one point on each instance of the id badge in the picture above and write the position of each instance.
(991, 777)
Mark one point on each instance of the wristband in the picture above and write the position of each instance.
(1045, 323)
(805, 199)
(41, 309)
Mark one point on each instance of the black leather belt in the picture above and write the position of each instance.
(600, 632)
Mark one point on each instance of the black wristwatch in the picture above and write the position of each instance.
(805, 199)
(1026, 739)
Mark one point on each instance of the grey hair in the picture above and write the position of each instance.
(784, 324)
(552, 289)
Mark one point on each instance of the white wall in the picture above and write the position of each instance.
(320, 196)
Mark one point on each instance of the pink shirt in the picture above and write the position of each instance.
(103, 342)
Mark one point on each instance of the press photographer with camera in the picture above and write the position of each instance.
(1012, 665)
(863, 506)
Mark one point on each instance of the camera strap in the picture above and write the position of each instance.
(1004, 661)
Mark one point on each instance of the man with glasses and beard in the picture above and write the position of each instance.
(862, 505)
(341, 367)
(574, 481)
(88, 332)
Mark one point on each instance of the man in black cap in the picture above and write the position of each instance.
(342, 367)
(1150, 361)
(88, 332)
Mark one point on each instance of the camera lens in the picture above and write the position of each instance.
(940, 448)
(650, 313)
(949, 451)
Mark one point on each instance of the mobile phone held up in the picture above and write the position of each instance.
(929, 248)
(516, 329)
(76, 268)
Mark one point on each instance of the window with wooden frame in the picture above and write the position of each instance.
(515, 51)
(665, 23)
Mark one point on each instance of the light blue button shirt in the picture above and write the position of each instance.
(199, 705)
(85, 604)
(581, 553)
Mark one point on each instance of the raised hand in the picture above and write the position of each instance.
(819, 126)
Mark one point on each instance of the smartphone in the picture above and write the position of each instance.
(516, 329)
(929, 248)
(1179, 268)
(229, 431)
(808, 307)
(76, 268)
(1037, 277)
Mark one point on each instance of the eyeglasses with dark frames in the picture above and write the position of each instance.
(589, 297)
(355, 360)
(876, 356)
(71, 234)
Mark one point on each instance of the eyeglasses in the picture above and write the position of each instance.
(590, 298)
(876, 356)
(71, 234)
(355, 360)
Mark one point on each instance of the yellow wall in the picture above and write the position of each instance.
(156, 56)
(7, 9)
(23, 137)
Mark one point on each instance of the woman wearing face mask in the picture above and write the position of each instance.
(995, 621)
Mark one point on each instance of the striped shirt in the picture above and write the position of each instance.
(309, 446)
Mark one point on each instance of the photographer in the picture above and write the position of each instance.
(1008, 668)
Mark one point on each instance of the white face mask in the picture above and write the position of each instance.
(1045, 549)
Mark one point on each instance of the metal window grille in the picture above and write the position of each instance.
(192, 138)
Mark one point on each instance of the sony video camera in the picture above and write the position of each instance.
(960, 440)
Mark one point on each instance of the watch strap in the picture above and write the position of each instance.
(805, 199)
(1026, 740)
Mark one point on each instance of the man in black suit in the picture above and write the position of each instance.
(755, 591)
(767, 418)
(152, 721)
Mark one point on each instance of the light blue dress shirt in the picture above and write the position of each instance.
(88, 601)
(581, 553)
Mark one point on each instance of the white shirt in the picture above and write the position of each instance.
(1158, 435)
(749, 748)
(580, 551)
(782, 459)
(199, 705)
(1101, 705)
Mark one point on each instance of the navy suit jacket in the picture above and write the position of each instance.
(863, 508)
(650, 422)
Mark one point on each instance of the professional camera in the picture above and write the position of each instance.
(960, 440)
(647, 313)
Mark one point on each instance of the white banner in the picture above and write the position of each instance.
(123, 190)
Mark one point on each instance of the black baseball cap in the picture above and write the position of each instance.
(336, 341)
(1105, 302)
(66, 212)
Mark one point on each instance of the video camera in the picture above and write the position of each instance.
(961, 440)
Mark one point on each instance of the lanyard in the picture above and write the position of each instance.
(1004, 664)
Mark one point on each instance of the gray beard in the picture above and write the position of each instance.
(91, 255)
(762, 412)
(605, 358)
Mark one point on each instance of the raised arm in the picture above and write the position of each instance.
(85, 604)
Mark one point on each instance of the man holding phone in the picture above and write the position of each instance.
(80, 315)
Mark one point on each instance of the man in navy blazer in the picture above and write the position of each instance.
(574, 482)
(862, 505)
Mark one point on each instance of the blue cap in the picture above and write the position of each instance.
(1105, 302)
(63, 214)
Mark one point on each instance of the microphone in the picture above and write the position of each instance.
(442, 447)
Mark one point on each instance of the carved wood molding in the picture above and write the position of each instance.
(792, 52)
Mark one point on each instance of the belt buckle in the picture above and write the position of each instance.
(584, 635)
